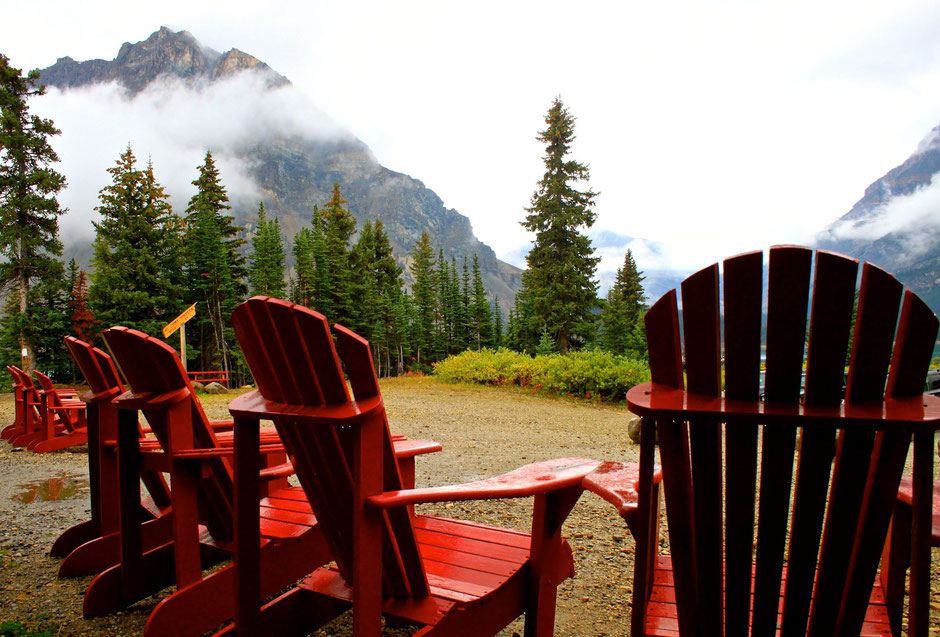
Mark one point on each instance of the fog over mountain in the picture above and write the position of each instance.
(896, 224)
(171, 99)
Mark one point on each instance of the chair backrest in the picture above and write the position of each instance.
(48, 387)
(847, 468)
(292, 357)
(23, 380)
(153, 371)
(95, 365)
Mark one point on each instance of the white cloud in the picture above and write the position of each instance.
(173, 123)
(916, 217)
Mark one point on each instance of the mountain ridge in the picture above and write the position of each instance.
(294, 170)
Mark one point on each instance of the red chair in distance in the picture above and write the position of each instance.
(202, 496)
(447, 576)
(94, 545)
(812, 567)
(62, 421)
(26, 403)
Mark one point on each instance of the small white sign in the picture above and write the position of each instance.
(25, 352)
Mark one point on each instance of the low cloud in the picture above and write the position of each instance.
(915, 218)
(172, 122)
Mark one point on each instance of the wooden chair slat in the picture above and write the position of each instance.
(322, 352)
(831, 315)
(787, 303)
(917, 330)
(265, 362)
(294, 364)
(743, 296)
(700, 318)
(662, 336)
(878, 302)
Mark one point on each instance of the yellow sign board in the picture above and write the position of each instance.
(173, 325)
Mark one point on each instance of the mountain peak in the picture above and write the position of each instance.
(166, 52)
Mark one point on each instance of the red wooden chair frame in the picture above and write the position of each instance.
(387, 560)
(202, 533)
(62, 420)
(24, 410)
(94, 545)
(826, 583)
(26, 427)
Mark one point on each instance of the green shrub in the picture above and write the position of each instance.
(591, 374)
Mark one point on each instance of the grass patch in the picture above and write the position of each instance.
(592, 374)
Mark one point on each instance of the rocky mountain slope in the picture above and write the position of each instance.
(293, 170)
(896, 224)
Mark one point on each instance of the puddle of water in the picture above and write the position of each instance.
(62, 487)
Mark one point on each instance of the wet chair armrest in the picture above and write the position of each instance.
(532, 479)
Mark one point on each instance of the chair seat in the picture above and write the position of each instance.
(661, 613)
(905, 493)
(464, 561)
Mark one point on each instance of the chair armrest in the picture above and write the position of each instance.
(284, 470)
(405, 448)
(222, 425)
(532, 479)
(617, 482)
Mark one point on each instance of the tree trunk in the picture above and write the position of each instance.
(27, 357)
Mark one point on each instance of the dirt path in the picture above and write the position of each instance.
(484, 432)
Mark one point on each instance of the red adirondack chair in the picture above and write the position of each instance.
(62, 421)
(202, 501)
(826, 582)
(94, 545)
(449, 576)
(26, 403)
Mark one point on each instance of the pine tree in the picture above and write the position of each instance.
(29, 211)
(497, 323)
(559, 280)
(422, 290)
(481, 315)
(623, 308)
(215, 270)
(137, 280)
(266, 263)
(305, 281)
(333, 260)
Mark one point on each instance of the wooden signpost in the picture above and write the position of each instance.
(180, 322)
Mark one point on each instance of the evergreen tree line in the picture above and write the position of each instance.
(151, 263)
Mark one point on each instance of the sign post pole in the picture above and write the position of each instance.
(180, 323)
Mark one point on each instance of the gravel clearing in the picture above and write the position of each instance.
(484, 431)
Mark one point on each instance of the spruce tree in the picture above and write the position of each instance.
(333, 260)
(305, 277)
(422, 290)
(137, 281)
(266, 263)
(480, 312)
(559, 281)
(497, 323)
(29, 210)
(623, 308)
(215, 270)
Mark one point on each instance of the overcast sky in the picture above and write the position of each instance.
(712, 127)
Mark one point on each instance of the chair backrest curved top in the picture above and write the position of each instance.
(95, 365)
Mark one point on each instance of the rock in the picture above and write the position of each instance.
(215, 388)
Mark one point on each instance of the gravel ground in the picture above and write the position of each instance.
(484, 432)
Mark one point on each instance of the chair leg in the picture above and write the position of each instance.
(895, 560)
